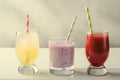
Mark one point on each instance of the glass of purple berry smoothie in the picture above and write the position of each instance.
(61, 56)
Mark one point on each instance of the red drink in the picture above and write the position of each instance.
(97, 48)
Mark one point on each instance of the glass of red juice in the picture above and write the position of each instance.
(97, 50)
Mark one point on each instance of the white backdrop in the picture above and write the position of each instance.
(53, 18)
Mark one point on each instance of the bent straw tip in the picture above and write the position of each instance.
(75, 17)
(27, 15)
(87, 9)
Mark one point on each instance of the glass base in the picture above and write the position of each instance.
(27, 69)
(97, 71)
(62, 71)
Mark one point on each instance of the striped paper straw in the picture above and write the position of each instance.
(71, 28)
(27, 23)
(89, 20)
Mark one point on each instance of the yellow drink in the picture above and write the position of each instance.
(27, 47)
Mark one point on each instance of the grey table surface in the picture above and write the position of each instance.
(9, 64)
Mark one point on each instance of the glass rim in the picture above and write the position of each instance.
(98, 32)
(24, 30)
(60, 39)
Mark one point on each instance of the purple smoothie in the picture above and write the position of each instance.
(61, 54)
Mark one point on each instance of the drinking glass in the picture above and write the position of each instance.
(97, 50)
(27, 49)
(61, 56)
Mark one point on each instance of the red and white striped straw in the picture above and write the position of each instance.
(27, 23)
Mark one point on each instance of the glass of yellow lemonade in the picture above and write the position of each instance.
(27, 49)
